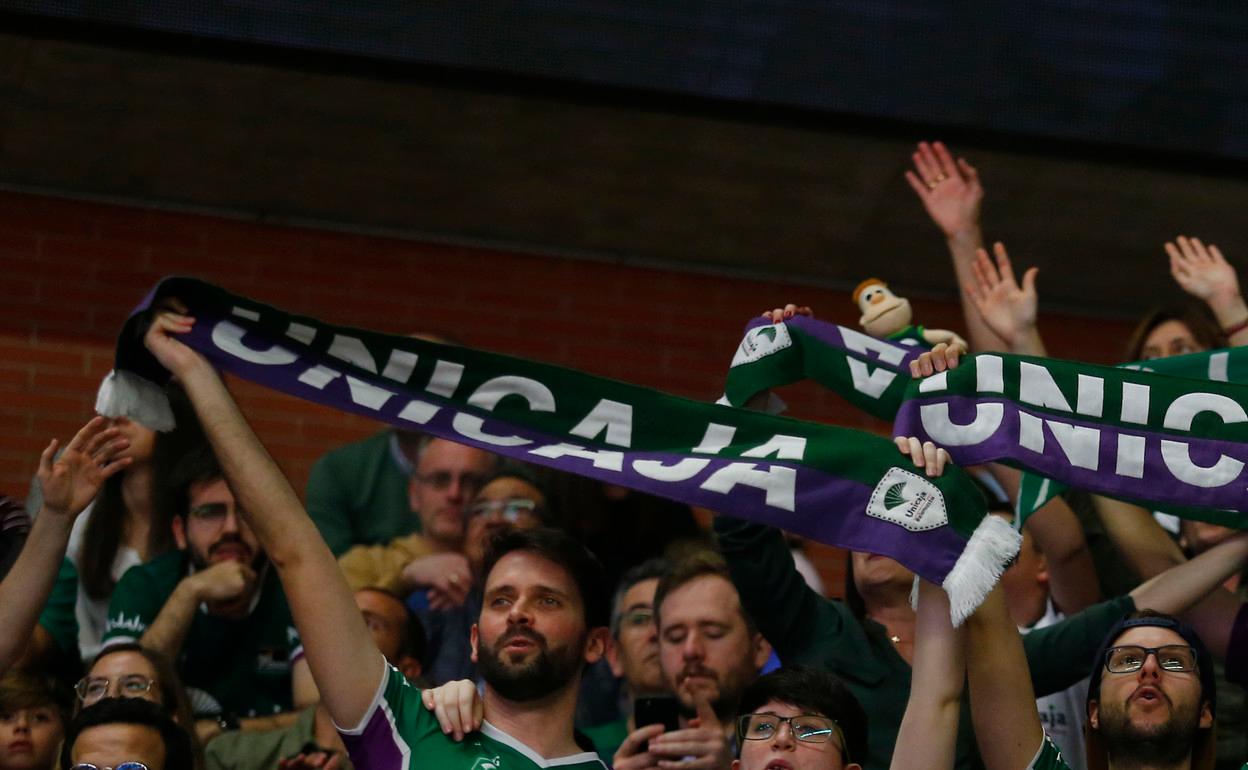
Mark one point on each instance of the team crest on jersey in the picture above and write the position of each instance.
(487, 763)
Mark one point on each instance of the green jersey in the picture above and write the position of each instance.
(398, 733)
(242, 666)
(1048, 757)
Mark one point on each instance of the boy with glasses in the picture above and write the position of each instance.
(800, 718)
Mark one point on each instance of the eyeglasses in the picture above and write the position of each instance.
(809, 728)
(511, 511)
(92, 688)
(213, 514)
(441, 480)
(122, 766)
(1179, 658)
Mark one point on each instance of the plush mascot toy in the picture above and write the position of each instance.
(887, 317)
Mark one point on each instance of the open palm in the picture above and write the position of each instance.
(71, 481)
(1006, 307)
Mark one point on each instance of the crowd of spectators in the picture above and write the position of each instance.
(169, 602)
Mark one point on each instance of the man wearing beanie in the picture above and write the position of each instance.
(1151, 699)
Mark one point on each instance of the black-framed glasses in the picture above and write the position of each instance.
(809, 728)
(92, 688)
(512, 511)
(1179, 658)
(122, 766)
(440, 480)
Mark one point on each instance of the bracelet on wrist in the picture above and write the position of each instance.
(1236, 328)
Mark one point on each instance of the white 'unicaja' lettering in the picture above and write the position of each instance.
(1130, 460)
(716, 438)
(778, 481)
(443, 382)
(228, 336)
(613, 417)
(1177, 454)
(1036, 387)
(488, 395)
(989, 374)
(607, 459)
(301, 332)
(870, 381)
(944, 431)
(1080, 444)
(1091, 398)
(782, 446)
(1135, 403)
(1219, 364)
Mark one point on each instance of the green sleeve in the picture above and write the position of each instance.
(797, 621)
(1060, 655)
(58, 617)
(329, 503)
(136, 602)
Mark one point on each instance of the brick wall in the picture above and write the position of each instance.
(72, 270)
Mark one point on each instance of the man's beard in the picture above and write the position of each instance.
(1165, 744)
(728, 689)
(547, 671)
(203, 561)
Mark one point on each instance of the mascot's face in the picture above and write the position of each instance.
(883, 313)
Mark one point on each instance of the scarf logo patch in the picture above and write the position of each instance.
(909, 501)
(761, 342)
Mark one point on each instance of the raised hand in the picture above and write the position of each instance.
(71, 481)
(1202, 271)
(949, 189)
(161, 339)
(1006, 307)
(788, 311)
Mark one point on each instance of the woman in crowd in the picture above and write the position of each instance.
(125, 525)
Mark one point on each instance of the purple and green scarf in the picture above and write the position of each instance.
(1171, 433)
(838, 486)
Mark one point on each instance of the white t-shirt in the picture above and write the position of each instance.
(92, 614)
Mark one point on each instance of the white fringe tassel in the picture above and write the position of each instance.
(125, 394)
(991, 547)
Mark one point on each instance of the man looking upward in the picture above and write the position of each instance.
(544, 614)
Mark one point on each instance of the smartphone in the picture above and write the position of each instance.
(657, 710)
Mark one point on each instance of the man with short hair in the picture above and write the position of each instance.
(1151, 698)
(510, 499)
(214, 605)
(798, 717)
(709, 651)
(446, 477)
(544, 615)
(634, 650)
(116, 731)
